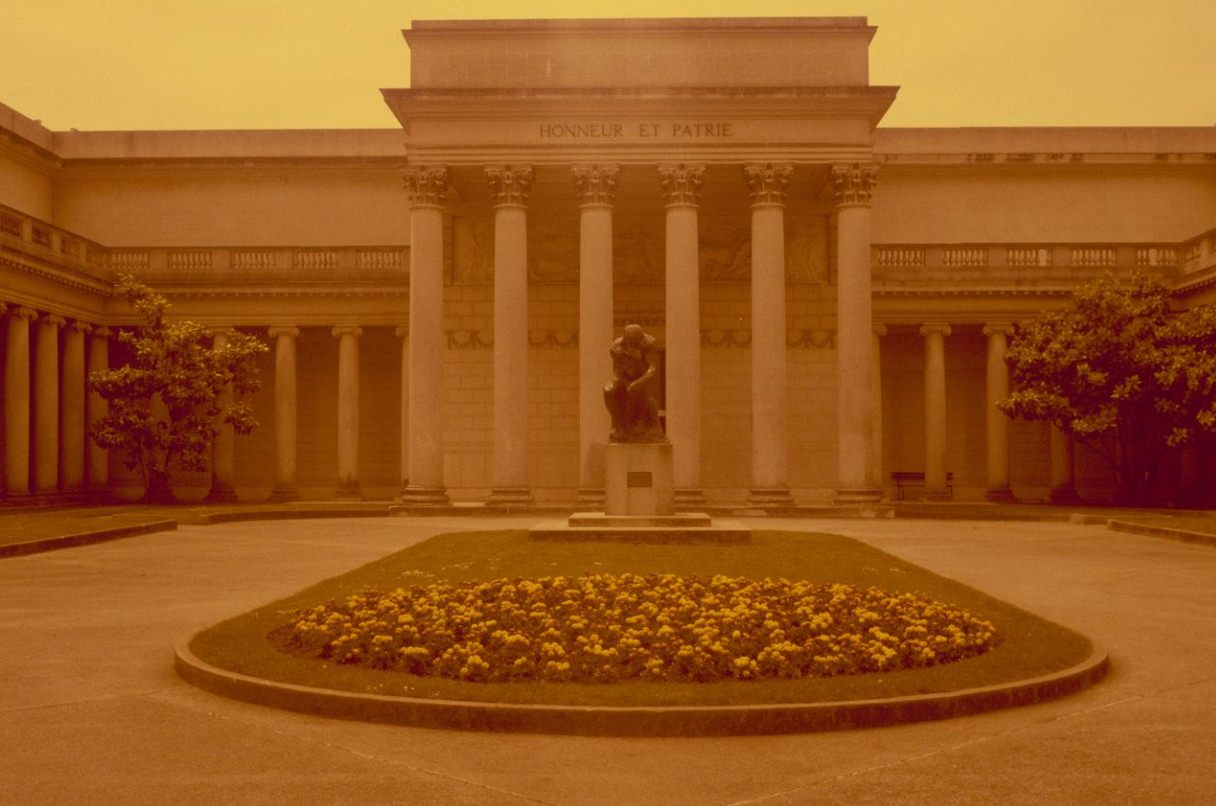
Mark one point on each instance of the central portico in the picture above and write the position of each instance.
(644, 162)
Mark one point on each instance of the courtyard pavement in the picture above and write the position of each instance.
(91, 710)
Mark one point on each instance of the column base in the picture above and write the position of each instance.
(349, 491)
(847, 496)
(285, 493)
(1000, 495)
(770, 497)
(419, 496)
(510, 498)
(591, 498)
(221, 493)
(689, 497)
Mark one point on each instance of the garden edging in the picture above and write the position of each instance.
(638, 721)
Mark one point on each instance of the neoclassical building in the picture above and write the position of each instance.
(832, 297)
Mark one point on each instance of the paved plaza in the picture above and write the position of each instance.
(91, 710)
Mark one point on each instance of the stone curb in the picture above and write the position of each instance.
(1183, 535)
(242, 515)
(85, 538)
(742, 720)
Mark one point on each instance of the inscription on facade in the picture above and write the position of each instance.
(618, 131)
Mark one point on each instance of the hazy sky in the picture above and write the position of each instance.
(211, 64)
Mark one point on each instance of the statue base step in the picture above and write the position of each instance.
(684, 527)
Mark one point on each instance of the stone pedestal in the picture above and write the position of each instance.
(639, 479)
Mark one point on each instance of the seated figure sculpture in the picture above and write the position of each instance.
(635, 415)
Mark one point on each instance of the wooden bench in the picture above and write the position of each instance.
(907, 478)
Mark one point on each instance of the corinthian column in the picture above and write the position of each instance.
(285, 407)
(348, 411)
(935, 410)
(596, 185)
(770, 483)
(71, 422)
(426, 187)
(223, 450)
(17, 402)
(996, 388)
(46, 404)
(510, 185)
(682, 188)
(403, 333)
(98, 464)
(854, 185)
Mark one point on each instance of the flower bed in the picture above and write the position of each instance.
(606, 628)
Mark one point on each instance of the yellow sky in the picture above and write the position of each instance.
(209, 64)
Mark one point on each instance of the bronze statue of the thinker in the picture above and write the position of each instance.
(635, 415)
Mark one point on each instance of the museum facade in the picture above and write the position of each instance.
(833, 298)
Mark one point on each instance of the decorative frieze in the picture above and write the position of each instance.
(740, 338)
(854, 184)
(767, 184)
(681, 183)
(596, 184)
(426, 185)
(510, 184)
(553, 338)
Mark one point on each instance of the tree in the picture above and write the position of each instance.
(1121, 371)
(166, 405)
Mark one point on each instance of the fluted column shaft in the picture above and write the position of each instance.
(403, 333)
(426, 187)
(72, 419)
(770, 482)
(17, 402)
(348, 411)
(682, 188)
(223, 450)
(997, 388)
(98, 458)
(935, 410)
(285, 413)
(510, 185)
(596, 185)
(876, 390)
(46, 404)
(854, 186)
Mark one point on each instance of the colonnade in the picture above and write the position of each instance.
(46, 410)
(996, 387)
(681, 185)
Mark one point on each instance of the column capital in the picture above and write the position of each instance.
(994, 328)
(510, 184)
(935, 328)
(596, 184)
(880, 330)
(102, 332)
(54, 319)
(681, 183)
(221, 330)
(767, 183)
(347, 330)
(854, 184)
(290, 331)
(426, 185)
(78, 326)
(22, 312)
